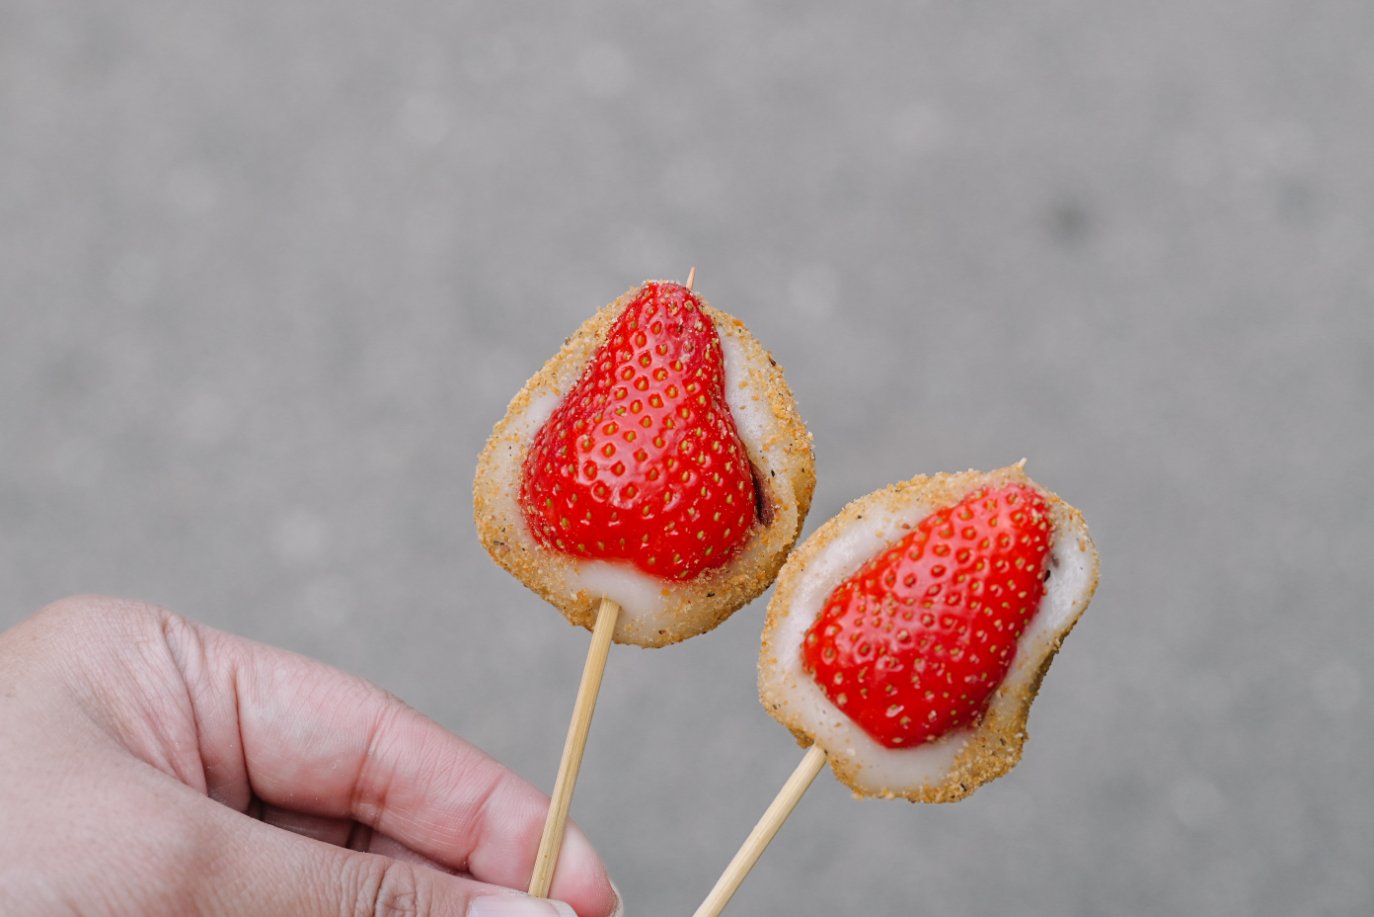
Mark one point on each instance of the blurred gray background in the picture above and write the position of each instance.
(269, 271)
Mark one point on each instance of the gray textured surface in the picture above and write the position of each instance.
(270, 270)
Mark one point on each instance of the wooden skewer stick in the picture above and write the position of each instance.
(555, 824)
(552, 840)
(758, 839)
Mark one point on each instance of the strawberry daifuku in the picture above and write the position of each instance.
(908, 636)
(658, 460)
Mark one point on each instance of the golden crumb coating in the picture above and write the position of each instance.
(654, 612)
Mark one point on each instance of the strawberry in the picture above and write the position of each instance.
(641, 461)
(913, 645)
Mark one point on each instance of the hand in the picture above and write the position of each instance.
(149, 765)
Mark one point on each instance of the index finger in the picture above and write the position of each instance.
(304, 736)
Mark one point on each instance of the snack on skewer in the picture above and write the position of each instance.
(658, 460)
(908, 636)
(648, 481)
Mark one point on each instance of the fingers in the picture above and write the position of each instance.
(309, 739)
(294, 874)
(342, 833)
(308, 748)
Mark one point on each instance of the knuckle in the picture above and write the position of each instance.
(118, 658)
(389, 888)
(72, 610)
(83, 612)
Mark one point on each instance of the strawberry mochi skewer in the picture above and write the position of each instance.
(908, 636)
(648, 481)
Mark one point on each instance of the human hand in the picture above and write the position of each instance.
(150, 765)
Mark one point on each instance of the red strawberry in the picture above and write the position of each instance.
(641, 460)
(913, 645)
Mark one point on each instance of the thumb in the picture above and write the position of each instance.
(266, 870)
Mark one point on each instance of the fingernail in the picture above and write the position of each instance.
(517, 906)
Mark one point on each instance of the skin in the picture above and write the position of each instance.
(150, 765)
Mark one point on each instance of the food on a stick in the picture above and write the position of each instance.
(908, 636)
(657, 460)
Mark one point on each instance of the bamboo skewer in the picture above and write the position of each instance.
(555, 824)
(571, 762)
(763, 833)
